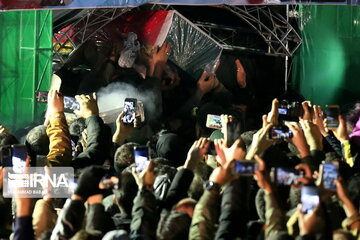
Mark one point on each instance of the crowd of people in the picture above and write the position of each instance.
(187, 191)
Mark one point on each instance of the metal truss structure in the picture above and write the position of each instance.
(280, 38)
(84, 30)
(279, 35)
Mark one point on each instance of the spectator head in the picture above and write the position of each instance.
(37, 141)
(7, 139)
(126, 193)
(124, 156)
(77, 127)
(171, 147)
(247, 138)
(174, 226)
(354, 190)
(164, 175)
(353, 116)
(186, 205)
(201, 175)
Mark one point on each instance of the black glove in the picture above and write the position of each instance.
(88, 183)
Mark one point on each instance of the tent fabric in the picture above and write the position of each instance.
(326, 68)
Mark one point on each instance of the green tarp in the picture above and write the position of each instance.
(25, 65)
(327, 66)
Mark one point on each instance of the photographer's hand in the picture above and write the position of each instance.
(261, 141)
(226, 154)
(318, 119)
(55, 103)
(122, 130)
(341, 131)
(298, 139)
(146, 178)
(88, 105)
(312, 134)
(272, 117)
(196, 153)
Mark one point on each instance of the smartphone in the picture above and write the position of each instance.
(213, 121)
(6, 156)
(19, 155)
(309, 198)
(130, 105)
(233, 132)
(71, 104)
(141, 155)
(245, 168)
(285, 176)
(211, 150)
(280, 133)
(329, 172)
(332, 113)
(41, 96)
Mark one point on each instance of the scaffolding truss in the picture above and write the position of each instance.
(279, 35)
(83, 29)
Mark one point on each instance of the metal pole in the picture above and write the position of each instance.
(287, 47)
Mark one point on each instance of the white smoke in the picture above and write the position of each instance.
(113, 95)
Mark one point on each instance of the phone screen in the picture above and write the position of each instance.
(141, 155)
(329, 174)
(129, 110)
(41, 96)
(287, 176)
(283, 111)
(211, 150)
(309, 198)
(332, 113)
(71, 104)
(279, 133)
(245, 167)
(213, 121)
(233, 132)
(19, 155)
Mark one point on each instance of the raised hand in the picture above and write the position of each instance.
(240, 74)
(226, 154)
(319, 120)
(196, 153)
(55, 102)
(298, 139)
(88, 105)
